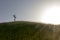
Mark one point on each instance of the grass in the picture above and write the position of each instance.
(23, 30)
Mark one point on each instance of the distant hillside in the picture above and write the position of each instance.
(23, 30)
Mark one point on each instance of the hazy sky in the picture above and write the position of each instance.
(30, 10)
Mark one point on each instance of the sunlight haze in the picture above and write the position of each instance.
(46, 11)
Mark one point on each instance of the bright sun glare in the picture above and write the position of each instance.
(51, 15)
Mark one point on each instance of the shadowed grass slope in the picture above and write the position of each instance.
(22, 30)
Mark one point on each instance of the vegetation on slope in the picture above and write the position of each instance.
(25, 31)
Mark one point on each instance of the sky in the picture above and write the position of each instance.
(25, 10)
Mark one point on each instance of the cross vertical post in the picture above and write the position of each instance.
(14, 17)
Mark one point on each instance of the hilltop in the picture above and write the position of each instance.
(24, 30)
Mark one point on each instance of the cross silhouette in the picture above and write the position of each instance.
(14, 17)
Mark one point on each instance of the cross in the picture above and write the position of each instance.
(14, 17)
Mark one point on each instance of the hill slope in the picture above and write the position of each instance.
(25, 31)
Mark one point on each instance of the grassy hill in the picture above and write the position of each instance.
(23, 30)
